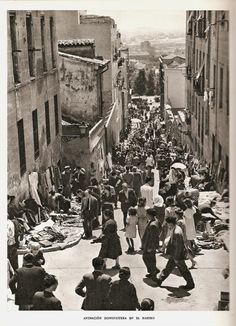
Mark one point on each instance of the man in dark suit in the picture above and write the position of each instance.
(88, 212)
(29, 279)
(97, 288)
(150, 244)
(46, 300)
(177, 252)
(128, 199)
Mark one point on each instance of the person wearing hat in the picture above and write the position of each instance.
(97, 287)
(176, 251)
(26, 281)
(89, 212)
(122, 293)
(150, 243)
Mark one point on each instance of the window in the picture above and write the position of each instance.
(42, 25)
(213, 148)
(47, 121)
(197, 60)
(202, 126)
(56, 115)
(219, 151)
(21, 144)
(208, 66)
(199, 119)
(196, 107)
(209, 16)
(15, 52)
(199, 81)
(207, 121)
(52, 42)
(227, 163)
(227, 92)
(214, 77)
(221, 87)
(35, 133)
(29, 27)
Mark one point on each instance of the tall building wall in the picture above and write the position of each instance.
(100, 31)
(207, 35)
(30, 93)
(175, 87)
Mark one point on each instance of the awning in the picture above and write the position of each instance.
(199, 17)
(189, 18)
(200, 70)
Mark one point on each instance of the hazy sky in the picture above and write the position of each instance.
(163, 21)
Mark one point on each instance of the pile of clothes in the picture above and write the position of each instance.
(48, 236)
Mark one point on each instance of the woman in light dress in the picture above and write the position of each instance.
(142, 217)
(131, 228)
(189, 222)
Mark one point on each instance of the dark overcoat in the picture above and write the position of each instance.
(25, 282)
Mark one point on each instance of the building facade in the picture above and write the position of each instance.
(34, 113)
(115, 85)
(207, 86)
(174, 85)
(81, 85)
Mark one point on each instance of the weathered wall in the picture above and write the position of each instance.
(79, 89)
(67, 24)
(29, 95)
(216, 45)
(175, 87)
(101, 33)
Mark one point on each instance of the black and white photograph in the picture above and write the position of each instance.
(118, 159)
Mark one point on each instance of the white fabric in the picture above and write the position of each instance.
(147, 192)
(156, 182)
(149, 161)
(33, 188)
(189, 223)
(131, 229)
(10, 233)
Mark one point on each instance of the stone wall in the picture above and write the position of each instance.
(79, 89)
(30, 94)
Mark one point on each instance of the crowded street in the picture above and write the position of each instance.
(148, 151)
(118, 160)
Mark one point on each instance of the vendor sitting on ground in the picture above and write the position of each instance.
(206, 208)
(57, 202)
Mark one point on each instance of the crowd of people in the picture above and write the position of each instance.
(157, 184)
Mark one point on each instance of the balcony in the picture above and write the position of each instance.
(199, 81)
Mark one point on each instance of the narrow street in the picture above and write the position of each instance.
(100, 128)
(71, 264)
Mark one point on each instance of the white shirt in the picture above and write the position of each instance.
(147, 192)
(10, 233)
(149, 161)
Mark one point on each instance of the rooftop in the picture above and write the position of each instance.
(172, 56)
(75, 42)
(96, 19)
